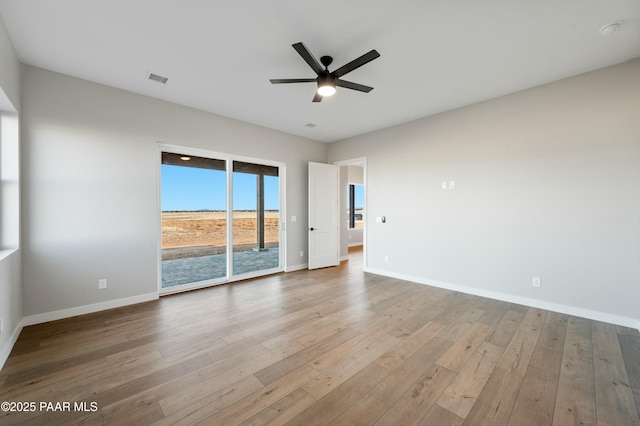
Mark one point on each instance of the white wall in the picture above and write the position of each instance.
(10, 265)
(90, 186)
(547, 184)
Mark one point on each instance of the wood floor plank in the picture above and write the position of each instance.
(464, 347)
(334, 376)
(212, 403)
(535, 403)
(495, 403)
(518, 353)
(144, 415)
(404, 375)
(462, 393)
(630, 347)
(615, 403)
(329, 346)
(334, 327)
(575, 402)
(284, 410)
(418, 399)
(364, 412)
(458, 320)
(317, 327)
(349, 347)
(333, 404)
(252, 404)
(493, 312)
(202, 388)
(409, 346)
(506, 328)
(441, 417)
(547, 354)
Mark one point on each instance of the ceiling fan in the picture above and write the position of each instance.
(327, 81)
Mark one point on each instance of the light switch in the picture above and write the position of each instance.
(445, 184)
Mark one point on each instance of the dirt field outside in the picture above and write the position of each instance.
(187, 229)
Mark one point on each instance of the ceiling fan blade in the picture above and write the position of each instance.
(353, 86)
(356, 63)
(317, 97)
(308, 57)
(292, 80)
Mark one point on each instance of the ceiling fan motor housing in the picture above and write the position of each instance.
(326, 61)
(326, 79)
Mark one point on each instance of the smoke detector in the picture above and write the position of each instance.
(609, 29)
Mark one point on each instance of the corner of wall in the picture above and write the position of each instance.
(6, 349)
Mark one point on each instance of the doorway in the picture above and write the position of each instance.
(220, 218)
(353, 208)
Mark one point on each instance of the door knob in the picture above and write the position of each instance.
(312, 229)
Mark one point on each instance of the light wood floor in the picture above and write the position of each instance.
(334, 346)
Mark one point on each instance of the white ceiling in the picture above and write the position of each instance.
(436, 55)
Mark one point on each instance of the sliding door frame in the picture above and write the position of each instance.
(229, 159)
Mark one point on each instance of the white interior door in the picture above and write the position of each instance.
(323, 215)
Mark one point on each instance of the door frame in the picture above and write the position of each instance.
(229, 158)
(353, 161)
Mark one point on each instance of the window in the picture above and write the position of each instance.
(356, 206)
(9, 176)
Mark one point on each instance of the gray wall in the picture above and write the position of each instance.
(10, 266)
(546, 185)
(90, 185)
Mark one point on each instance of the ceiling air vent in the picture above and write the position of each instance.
(158, 78)
(310, 125)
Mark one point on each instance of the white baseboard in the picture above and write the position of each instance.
(296, 267)
(87, 309)
(535, 303)
(8, 347)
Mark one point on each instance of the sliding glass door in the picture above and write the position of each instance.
(220, 220)
(256, 224)
(194, 219)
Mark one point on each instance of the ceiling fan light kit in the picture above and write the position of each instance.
(326, 85)
(326, 80)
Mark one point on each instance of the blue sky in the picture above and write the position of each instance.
(359, 196)
(190, 188)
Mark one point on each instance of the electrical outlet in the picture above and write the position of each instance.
(102, 284)
(301, 253)
(535, 281)
(386, 259)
